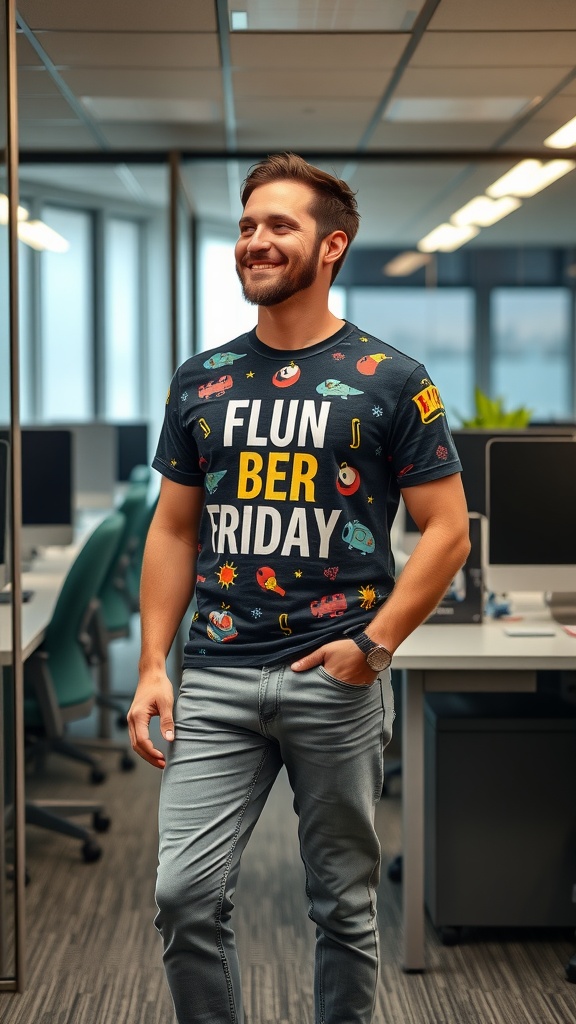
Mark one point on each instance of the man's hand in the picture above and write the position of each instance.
(154, 696)
(342, 659)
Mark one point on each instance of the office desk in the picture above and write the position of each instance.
(456, 658)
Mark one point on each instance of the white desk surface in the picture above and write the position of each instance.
(486, 646)
(46, 579)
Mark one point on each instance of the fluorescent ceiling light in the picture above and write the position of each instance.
(137, 108)
(484, 211)
(529, 177)
(238, 21)
(447, 238)
(406, 263)
(39, 236)
(326, 16)
(460, 108)
(564, 137)
(4, 208)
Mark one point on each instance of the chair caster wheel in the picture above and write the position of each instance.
(127, 763)
(91, 851)
(449, 936)
(571, 970)
(97, 776)
(395, 869)
(100, 822)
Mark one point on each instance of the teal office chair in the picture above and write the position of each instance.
(140, 474)
(59, 686)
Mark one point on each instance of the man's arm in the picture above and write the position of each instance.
(439, 511)
(168, 575)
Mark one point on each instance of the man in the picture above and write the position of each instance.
(284, 454)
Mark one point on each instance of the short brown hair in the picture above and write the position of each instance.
(334, 206)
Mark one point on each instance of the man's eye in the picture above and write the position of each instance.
(246, 230)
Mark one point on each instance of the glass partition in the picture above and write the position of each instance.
(11, 798)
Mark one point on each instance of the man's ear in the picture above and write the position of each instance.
(334, 245)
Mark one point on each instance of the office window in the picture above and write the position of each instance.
(435, 326)
(530, 362)
(25, 307)
(66, 319)
(223, 313)
(122, 319)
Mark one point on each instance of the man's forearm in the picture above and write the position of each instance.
(168, 575)
(421, 585)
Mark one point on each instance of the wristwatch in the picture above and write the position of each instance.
(377, 656)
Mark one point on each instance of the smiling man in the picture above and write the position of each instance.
(281, 480)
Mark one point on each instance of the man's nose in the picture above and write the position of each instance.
(259, 240)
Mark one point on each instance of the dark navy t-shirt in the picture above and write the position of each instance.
(301, 454)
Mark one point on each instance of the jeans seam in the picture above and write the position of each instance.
(227, 866)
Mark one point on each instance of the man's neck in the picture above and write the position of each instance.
(294, 325)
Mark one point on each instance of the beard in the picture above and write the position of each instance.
(271, 293)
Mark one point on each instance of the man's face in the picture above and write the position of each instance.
(278, 249)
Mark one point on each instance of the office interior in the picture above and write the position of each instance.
(127, 130)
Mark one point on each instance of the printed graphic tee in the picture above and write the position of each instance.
(301, 454)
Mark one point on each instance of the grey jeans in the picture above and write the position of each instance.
(235, 728)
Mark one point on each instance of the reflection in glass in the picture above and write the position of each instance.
(122, 319)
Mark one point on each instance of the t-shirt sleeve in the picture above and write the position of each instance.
(421, 447)
(177, 453)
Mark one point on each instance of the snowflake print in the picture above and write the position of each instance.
(378, 450)
(377, 410)
(442, 452)
(183, 396)
(202, 650)
(256, 613)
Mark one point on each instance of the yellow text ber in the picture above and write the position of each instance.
(301, 469)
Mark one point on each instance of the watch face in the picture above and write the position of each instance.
(379, 659)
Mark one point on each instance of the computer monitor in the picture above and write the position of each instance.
(132, 448)
(5, 574)
(94, 463)
(47, 488)
(471, 446)
(531, 498)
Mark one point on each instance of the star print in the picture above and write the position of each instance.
(173, 462)
(362, 339)
(377, 410)
(298, 573)
(370, 499)
(250, 373)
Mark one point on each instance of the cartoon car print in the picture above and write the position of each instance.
(358, 536)
(215, 388)
(221, 627)
(330, 604)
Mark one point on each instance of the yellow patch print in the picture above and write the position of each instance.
(429, 404)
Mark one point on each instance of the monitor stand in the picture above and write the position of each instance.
(562, 606)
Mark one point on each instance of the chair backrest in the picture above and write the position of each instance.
(115, 607)
(84, 581)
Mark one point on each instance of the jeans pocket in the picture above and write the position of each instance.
(361, 687)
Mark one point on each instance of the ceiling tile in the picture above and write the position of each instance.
(147, 84)
(127, 16)
(435, 136)
(164, 136)
(327, 16)
(495, 49)
(309, 85)
(49, 136)
(36, 83)
(26, 55)
(495, 15)
(132, 49)
(317, 51)
(502, 81)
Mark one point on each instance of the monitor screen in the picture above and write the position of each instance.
(471, 446)
(132, 448)
(531, 502)
(4, 513)
(47, 488)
